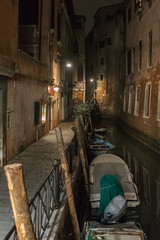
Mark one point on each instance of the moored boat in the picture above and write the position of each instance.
(126, 231)
(113, 169)
(99, 146)
(110, 164)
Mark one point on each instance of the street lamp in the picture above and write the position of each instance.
(68, 63)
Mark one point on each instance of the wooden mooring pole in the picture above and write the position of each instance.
(19, 201)
(68, 185)
(82, 154)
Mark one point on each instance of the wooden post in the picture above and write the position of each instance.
(67, 179)
(90, 121)
(82, 155)
(19, 201)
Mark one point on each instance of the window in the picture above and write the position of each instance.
(101, 77)
(101, 44)
(129, 62)
(130, 99)
(8, 119)
(150, 48)
(79, 72)
(102, 61)
(133, 59)
(125, 100)
(36, 113)
(158, 105)
(44, 107)
(52, 14)
(109, 41)
(29, 12)
(147, 100)
(75, 47)
(129, 14)
(137, 101)
(140, 55)
(138, 5)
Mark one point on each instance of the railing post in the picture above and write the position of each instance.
(56, 182)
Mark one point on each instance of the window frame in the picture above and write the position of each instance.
(147, 100)
(137, 100)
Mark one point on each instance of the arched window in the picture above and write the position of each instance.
(79, 73)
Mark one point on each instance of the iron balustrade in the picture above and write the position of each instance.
(47, 199)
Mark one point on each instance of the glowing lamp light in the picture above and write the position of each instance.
(43, 118)
(68, 65)
(91, 80)
(56, 88)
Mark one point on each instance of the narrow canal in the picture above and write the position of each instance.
(145, 167)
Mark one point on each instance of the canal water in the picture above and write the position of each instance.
(144, 164)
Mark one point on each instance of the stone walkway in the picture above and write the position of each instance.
(37, 164)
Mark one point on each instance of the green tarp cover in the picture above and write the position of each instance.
(110, 188)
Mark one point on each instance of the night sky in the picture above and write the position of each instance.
(89, 8)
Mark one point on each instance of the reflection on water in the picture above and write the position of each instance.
(145, 167)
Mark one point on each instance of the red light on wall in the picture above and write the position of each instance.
(51, 90)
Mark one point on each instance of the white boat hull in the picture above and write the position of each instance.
(111, 164)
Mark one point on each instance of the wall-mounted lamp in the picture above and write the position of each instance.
(56, 88)
(68, 65)
(51, 81)
(91, 80)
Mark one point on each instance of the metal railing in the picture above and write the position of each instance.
(47, 199)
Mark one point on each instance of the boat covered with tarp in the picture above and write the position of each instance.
(122, 231)
(99, 146)
(109, 176)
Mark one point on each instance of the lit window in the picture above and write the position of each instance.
(147, 100)
(137, 101)
(44, 107)
(138, 5)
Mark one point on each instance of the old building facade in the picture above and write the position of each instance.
(36, 42)
(141, 102)
(123, 60)
(79, 60)
(106, 45)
